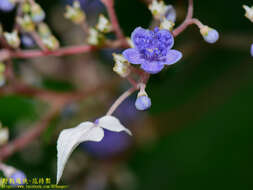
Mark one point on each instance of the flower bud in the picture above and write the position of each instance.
(27, 41)
(26, 7)
(75, 13)
(4, 135)
(7, 5)
(170, 13)
(95, 37)
(103, 24)
(26, 23)
(158, 9)
(142, 102)
(210, 35)
(37, 13)
(51, 42)
(167, 24)
(12, 39)
(249, 12)
(251, 50)
(44, 30)
(121, 66)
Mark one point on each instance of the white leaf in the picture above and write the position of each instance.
(69, 139)
(113, 124)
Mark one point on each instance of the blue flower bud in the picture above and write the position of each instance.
(251, 50)
(142, 102)
(6, 5)
(18, 178)
(170, 13)
(27, 41)
(210, 35)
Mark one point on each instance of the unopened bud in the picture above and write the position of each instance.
(143, 102)
(103, 24)
(157, 8)
(249, 12)
(167, 24)
(75, 13)
(210, 35)
(51, 42)
(12, 39)
(95, 37)
(121, 66)
(26, 23)
(37, 13)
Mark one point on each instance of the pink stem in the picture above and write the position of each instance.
(115, 24)
(124, 96)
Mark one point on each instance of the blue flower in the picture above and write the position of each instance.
(6, 5)
(152, 50)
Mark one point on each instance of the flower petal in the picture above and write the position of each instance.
(69, 139)
(152, 67)
(112, 124)
(139, 37)
(133, 56)
(172, 57)
(166, 38)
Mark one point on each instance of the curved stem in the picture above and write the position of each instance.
(124, 96)
(184, 25)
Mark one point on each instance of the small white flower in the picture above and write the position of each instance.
(103, 24)
(249, 12)
(12, 39)
(157, 8)
(94, 37)
(167, 24)
(121, 66)
(69, 139)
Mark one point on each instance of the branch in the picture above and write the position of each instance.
(188, 18)
(124, 96)
(109, 4)
(58, 101)
(30, 135)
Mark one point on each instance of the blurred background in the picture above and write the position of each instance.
(198, 133)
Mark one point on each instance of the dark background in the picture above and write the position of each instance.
(198, 133)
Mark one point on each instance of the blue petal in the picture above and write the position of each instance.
(152, 67)
(166, 38)
(139, 36)
(172, 57)
(133, 56)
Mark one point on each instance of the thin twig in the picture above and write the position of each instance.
(109, 4)
(124, 96)
(184, 25)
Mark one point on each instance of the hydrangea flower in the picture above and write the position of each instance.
(152, 49)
